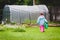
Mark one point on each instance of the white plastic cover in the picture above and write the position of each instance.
(19, 13)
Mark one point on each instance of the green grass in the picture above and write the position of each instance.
(52, 33)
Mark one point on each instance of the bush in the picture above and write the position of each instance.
(26, 25)
(2, 28)
(13, 23)
(20, 29)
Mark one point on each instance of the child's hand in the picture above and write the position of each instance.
(46, 22)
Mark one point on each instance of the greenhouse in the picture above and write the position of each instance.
(23, 13)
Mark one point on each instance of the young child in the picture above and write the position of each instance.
(41, 20)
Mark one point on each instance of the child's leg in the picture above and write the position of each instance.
(42, 28)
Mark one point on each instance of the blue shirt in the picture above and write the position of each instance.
(41, 20)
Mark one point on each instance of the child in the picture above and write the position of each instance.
(41, 20)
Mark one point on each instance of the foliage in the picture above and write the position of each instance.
(54, 22)
(20, 29)
(3, 28)
(13, 23)
(30, 21)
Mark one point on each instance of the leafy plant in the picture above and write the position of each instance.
(20, 29)
(13, 23)
(2, 28)
(30, 21)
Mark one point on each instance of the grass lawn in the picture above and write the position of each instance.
(52, 33)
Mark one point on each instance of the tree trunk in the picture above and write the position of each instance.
(34, 1)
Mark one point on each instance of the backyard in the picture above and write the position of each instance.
(18, 19)
(31, 33)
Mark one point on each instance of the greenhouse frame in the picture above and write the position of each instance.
(23, 13)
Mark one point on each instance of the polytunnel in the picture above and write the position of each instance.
(23, 13)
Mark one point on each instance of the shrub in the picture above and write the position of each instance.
(2, 28)
(20, 29)
(26, 25)
(13, 23)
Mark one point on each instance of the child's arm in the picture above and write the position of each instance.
(46, 21)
